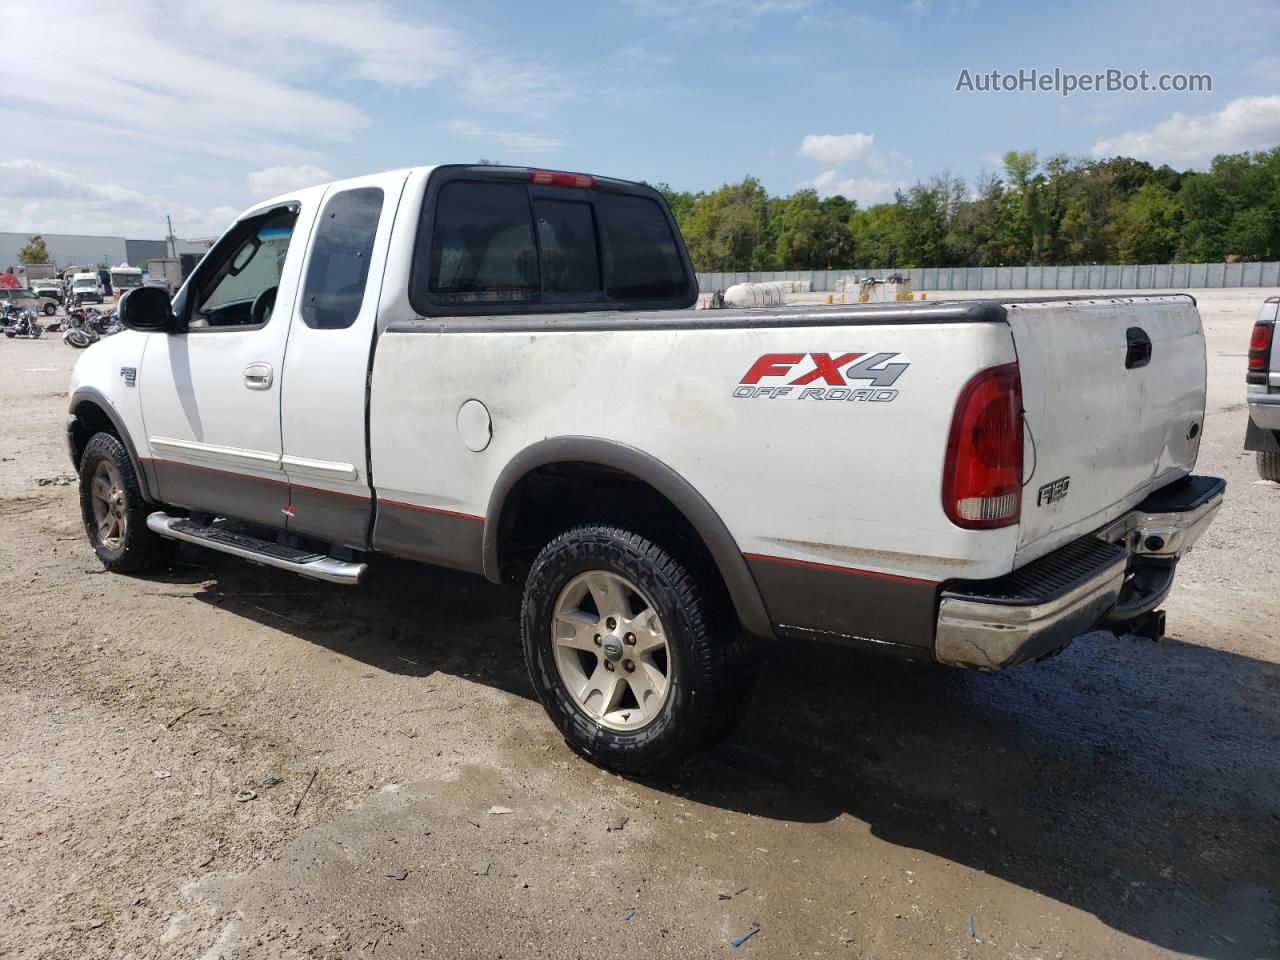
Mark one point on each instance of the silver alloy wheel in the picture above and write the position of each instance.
(611, 650)
(110, 510)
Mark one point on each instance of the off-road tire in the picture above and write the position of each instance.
(711, 662)
(1269, 466)
(140, 549)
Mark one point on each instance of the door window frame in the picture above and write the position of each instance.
(210, 263)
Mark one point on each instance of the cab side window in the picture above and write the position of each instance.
(240, 290)
(339, 269)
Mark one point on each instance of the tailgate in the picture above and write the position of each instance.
(1103, 427)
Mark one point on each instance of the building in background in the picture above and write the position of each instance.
(70, 248)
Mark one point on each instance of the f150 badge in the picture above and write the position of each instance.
(849, 376)
(1053, 491)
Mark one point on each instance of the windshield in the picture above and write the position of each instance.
(85, 284)
(127, 279)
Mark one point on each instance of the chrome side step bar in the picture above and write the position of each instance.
(308, 564)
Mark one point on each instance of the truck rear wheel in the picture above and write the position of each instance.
(1269, 466)
(115, 515)
(628, 651)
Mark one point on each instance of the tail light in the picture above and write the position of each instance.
(557, 178)
(982, 477)
(1260, 352)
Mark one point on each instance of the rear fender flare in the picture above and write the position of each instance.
(720, 543)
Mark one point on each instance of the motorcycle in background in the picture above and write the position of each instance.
(21, 323)
(86, 327)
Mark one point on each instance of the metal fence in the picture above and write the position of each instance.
(1148, 276)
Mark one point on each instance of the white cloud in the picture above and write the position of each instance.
(836, 148)
(512, 141)
(830, 183)
(177, 88)
(645, 52)
(218, 101)
(723, 15)
(275, 180)
(512, 86)
(1248, 123)
(368, 39)
(36, 196)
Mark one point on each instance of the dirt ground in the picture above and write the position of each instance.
(231, 762)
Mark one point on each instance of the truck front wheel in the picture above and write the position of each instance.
(115, 515)
(629, 652)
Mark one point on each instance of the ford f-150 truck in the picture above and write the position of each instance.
(501, 370)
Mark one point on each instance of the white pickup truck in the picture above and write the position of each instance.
(501, 370)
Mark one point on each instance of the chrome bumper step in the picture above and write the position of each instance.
(1111, 580)
(304, 562)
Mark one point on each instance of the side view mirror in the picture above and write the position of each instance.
(147, 309)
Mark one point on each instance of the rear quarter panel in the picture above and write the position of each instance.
(841, 482)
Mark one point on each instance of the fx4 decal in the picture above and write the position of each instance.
(847, 376)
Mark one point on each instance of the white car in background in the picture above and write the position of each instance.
(26, 299)
(1263, 379)
(86, 286)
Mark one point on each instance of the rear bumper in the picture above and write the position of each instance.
(1264, 410)
(1102, 581)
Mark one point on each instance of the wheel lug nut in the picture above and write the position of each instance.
(608, 665)
(597, 639)
(630, 638)
(629, 664)
(612, 623)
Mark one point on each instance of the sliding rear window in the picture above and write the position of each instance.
(487, 244)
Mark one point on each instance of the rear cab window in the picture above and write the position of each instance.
(496, 241)
(338, 271)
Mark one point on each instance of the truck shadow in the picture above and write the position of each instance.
(1137, 782)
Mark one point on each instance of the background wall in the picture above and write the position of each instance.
(1150, 276)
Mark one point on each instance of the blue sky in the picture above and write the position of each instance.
(200, 109)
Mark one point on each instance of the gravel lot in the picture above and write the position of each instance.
(228, 761)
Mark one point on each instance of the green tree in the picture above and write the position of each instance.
(1059, 211)
(728, 229)
(35, 251)
(1146, 225)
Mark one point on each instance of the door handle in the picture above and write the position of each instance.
(257, 376)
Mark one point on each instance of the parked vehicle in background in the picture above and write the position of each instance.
(166, 273)
(86, 326)
(125, 278)
(31, 272)
(86, 287)
(501, 370)
(25, 299)
(51, 288)
(1263, 391)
